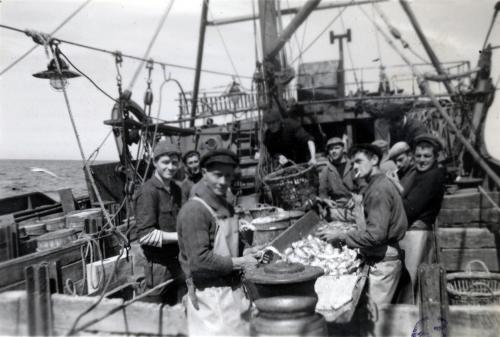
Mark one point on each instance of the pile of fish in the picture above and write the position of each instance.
(313, 251)
(340, 225)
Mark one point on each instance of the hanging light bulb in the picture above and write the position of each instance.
(57, 81)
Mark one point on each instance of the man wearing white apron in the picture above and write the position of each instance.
(384, 226)
(210, 253)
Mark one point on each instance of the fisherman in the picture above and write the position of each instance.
(286, 140)
(156, 206)
(387, 165)
(401, 154)
(191, 160)
(336, 179)
(385, 225)
(422, 202)
(211, 254)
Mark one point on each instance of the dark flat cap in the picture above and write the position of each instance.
(164, 147)
(334, 141)
(374, 149)
(223, 156)
(436, 143)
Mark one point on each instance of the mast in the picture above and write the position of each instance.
(425, 43)
(269, 36)
(199, 60)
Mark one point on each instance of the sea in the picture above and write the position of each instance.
(24, 176)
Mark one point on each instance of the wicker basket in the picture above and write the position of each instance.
(478, 288)
(292, 187)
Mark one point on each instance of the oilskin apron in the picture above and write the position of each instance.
(418, 245)
(385, 267)
(221, 309)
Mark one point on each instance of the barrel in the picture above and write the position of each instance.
(269, 227)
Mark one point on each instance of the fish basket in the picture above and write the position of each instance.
(292, 187)
(474, 288)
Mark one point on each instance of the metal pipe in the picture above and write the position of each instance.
(425, 43)
(199, 58)
(288, 11)
(297, 20)
(441, 78)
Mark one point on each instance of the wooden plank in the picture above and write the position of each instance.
(12, 271)
(457, 259)
(468, 200)
(138, 318)
(433, 297)
(466, 238)
(488, 215)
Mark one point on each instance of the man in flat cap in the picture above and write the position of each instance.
(401, 154)
(156, 206)
(211, 252)
(285, 139)
(191, 160)
(422, 201)
(385, 225)
(336, 179)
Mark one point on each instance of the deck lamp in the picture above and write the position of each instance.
(57, 81)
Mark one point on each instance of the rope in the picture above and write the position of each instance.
(395, 32)
(151, 43)
(96, 151)
(377, 39)
(80, 148)
(20, 58)
(223, 42)
(99, 300)
(88, 78)
(321, 33)
(137, 58)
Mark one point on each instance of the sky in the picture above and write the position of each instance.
(34, 121)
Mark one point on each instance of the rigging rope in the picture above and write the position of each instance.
(223, 42)
(151, 43)
(20, 58)
(88, 78)
(321, 33)
(133, 57)
(395, 32)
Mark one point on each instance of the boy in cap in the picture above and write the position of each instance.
(156, 206)
(385, 225)
(422, 200)
(191, 160)
(211, 252)
(285, 140)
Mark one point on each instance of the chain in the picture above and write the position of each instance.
(118, 64)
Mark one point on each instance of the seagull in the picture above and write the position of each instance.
(38, 169)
